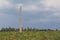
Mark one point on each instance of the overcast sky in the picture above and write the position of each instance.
(44, 14)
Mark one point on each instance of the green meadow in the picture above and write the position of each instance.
(30, 35)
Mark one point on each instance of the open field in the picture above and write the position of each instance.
(30, 35)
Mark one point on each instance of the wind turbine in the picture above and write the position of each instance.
(20, 18)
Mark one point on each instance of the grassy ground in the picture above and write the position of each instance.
(30, 35)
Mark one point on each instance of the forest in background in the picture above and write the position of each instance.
(25, 29)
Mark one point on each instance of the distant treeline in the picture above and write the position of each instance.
(25, 29)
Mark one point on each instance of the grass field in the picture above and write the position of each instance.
(30, 35)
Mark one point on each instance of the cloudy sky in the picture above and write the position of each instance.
(43, 14)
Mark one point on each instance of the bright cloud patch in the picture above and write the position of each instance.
(30, 8)
(51, 3)
(5, 3)
(43, 4)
